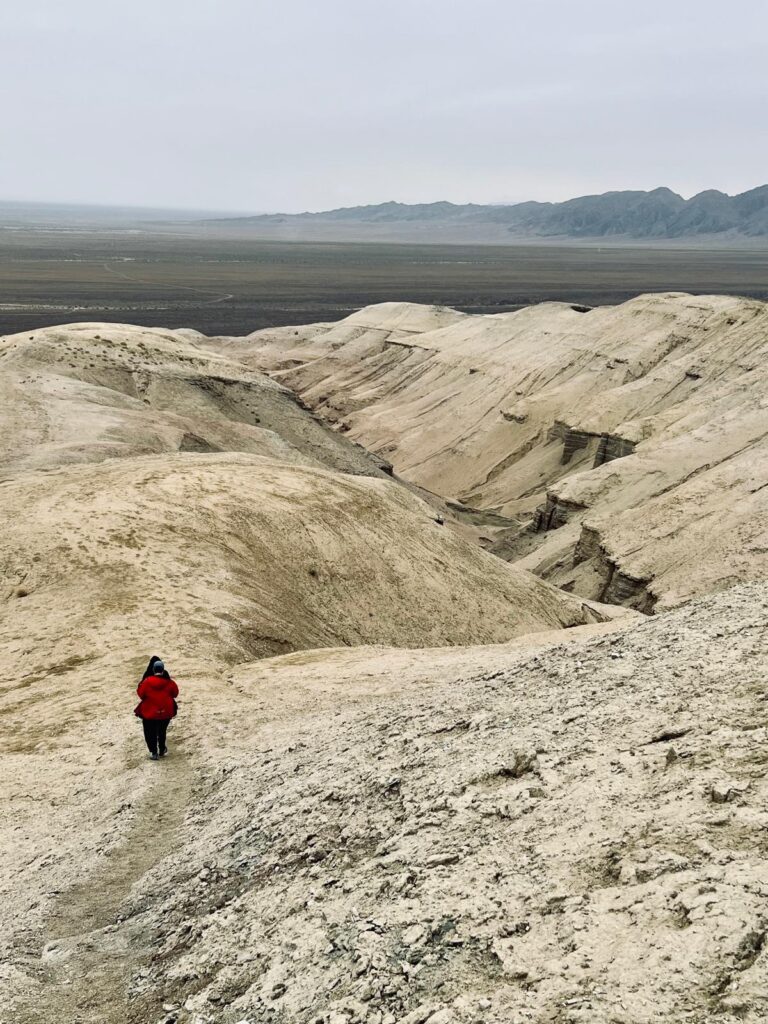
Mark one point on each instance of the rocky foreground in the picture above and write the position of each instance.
(577, 837)
(569, 832)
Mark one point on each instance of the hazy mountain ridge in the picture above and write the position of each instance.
(657, 214)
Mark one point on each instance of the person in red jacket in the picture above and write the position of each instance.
(158, 693)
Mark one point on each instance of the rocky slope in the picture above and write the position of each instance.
(574, 837)
(564, 833)
(629, 443)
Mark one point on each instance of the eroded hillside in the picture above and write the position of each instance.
(239, 557)
(360, 821)
(88, 392)
(628, 444)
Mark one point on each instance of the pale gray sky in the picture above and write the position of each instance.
(309, 104)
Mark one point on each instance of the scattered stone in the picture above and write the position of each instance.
(438, 859)
(444, 1016)
(421, 1014)
(413, 935)
(721, 793)
(670, 732)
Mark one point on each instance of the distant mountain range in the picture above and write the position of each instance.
(655, 215)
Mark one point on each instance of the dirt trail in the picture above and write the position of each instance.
(88, 953)
(174, 287)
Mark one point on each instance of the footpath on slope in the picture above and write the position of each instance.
(88, 959)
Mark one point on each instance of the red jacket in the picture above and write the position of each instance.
(157, 698)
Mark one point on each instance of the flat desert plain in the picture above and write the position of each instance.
(192, 277)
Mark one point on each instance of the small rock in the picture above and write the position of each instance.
(627, 874)
(441, 1017)
(438, 859)
(421, 1014)
(414, 935)
(735, 1004)
(670, 732)
(720, 793)
(521, 762)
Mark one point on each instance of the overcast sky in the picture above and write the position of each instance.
(310, 104)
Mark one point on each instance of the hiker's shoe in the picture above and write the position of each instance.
(164, 751)
(153, 757)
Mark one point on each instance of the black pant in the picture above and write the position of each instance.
(154, 733)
